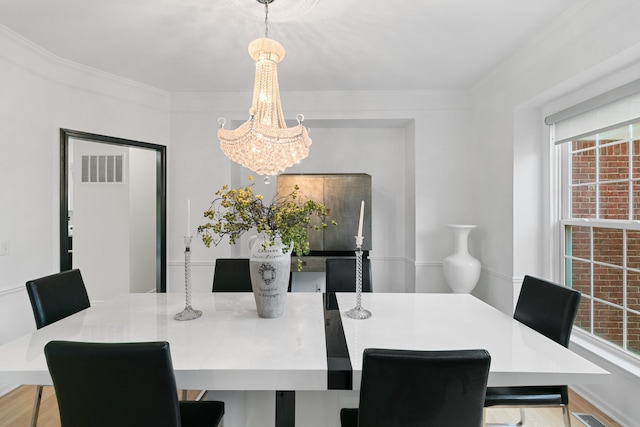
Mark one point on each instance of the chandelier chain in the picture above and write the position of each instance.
(266, 20)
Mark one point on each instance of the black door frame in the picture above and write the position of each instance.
(161, 197)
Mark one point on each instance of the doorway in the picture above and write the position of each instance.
(113, 213)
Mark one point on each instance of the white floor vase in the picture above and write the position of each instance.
(461, 270)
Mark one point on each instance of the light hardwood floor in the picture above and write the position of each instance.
(16, 407)
(549, 417)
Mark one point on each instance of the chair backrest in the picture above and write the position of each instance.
(423, 388)
(57, 296)
(548, 308)
(341, 275)
(114, 384)
(232, 275)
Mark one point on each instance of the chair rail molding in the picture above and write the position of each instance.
(12, 290)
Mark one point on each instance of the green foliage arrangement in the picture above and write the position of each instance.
(235, 211)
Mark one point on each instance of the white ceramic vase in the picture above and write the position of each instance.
(461, 270)
(269, 268)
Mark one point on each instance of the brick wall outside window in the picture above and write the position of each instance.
(602, 186)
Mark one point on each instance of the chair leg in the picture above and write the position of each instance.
(521, 423)
(566, 415)
(184, 394)
(36, 406)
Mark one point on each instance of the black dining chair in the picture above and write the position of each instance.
(411, 388)
(53, 298)
(550, 309)
(232, 275)
(341, 277)
(122, 384)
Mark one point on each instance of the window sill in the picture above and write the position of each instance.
(607, 353)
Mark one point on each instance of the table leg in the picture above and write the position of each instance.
(285, 408)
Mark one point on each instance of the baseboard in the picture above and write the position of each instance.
(602, 406)
(7, 388)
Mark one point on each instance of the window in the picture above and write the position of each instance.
(600, 226)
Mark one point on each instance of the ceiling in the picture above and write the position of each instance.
(338, 45)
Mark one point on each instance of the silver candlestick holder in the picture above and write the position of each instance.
(358, 312)
(188, 313)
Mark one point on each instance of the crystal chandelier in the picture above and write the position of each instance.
(264, 143)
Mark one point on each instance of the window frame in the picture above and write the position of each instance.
(561, 191)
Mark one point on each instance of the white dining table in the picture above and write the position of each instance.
(229, 348)
(520, 356)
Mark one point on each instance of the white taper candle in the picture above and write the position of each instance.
(361, 219)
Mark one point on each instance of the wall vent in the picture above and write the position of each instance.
(103, 169)
(588, 420)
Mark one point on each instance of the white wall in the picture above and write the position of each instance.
(142, 220)
(443, 192)
(114, 224)
(512, 184)
(410, 207)
(101, 226)
(404, 141)
(40, 95)
(566, 64)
